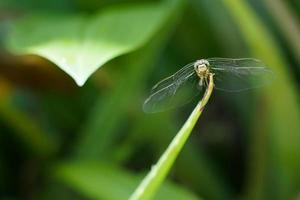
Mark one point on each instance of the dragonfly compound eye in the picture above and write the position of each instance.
(201, 63)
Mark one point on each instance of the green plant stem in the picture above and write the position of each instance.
(280, 124)
(287, 23)
(155, 177)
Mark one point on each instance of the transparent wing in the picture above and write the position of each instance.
(173, 91)
(239, 74)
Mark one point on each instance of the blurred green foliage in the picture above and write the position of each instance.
(104, 181)
(61, 141)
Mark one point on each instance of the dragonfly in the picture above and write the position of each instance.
(231, 75)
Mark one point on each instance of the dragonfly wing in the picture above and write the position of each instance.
(179, 76)
(173, 91)
(239, 74)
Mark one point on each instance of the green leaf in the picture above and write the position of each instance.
(154, 179)
(100, 131)
(80, 44)
(107, 182)
(201, 176)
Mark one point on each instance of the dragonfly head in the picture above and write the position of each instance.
(201, 68)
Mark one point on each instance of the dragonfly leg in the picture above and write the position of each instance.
(206, 81)
(201, 82)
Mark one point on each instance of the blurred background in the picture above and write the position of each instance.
(62, 141)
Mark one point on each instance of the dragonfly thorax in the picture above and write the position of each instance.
(202, 69)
